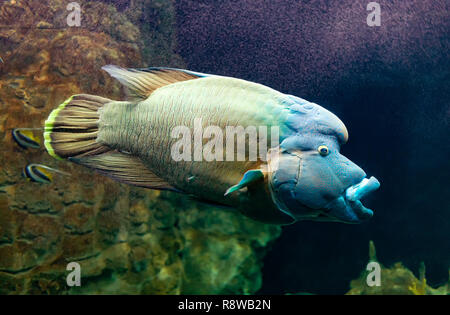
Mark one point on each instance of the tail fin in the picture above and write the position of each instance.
(71, 132)
(71, 129)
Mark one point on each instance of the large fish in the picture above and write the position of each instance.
(302, 177)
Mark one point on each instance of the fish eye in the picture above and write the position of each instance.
(323, 150)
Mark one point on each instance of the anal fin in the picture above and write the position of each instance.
(209, 202)
(124, 168)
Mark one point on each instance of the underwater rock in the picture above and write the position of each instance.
(395, 280)
(127, 240)
(157, 22)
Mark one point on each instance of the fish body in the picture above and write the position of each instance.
(41, 173)
(144, 129)
(299, 176)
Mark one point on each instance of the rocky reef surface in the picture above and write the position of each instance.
(126, 239)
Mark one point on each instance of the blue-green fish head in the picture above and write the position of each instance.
(309, 179)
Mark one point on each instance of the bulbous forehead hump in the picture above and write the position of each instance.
(310, 117)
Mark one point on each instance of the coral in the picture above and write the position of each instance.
(395, 280)
(126, 239)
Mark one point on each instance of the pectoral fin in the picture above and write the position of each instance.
(249, 178)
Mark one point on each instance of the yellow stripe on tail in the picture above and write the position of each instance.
(71, 129)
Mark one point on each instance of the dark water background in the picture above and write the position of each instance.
(389, 84)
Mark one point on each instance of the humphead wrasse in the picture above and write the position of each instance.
(303, 177)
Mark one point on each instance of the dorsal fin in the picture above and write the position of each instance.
(196, 74)
(124, 168)
(142, 82)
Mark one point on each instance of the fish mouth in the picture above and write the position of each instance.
(348, 207)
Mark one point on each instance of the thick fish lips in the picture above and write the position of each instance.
(348, 208)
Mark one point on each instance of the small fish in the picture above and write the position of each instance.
(305, 177)
(41, 173)
(26, 137)
(1, 60)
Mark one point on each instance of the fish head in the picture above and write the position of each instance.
(309, 179)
